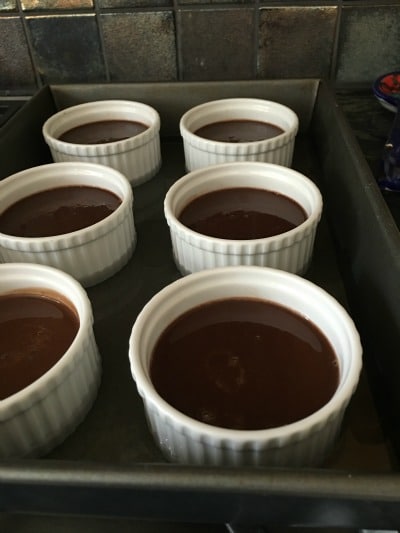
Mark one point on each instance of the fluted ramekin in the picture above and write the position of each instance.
(138, 157)
(291, 251)
(91, 254)
(306, 442)
(200, 152)
(40, 416)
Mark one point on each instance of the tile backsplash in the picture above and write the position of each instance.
(106, 41)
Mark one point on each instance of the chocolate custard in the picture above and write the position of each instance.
(242, 213)
(58, 211)
(35, 331)
(239, 131)
(104, 131)
(244, 364)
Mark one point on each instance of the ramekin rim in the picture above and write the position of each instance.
(278, 141)
(190, 235)
(287, 134)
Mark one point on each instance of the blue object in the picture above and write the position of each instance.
(387, 90)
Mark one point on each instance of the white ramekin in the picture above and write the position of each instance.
(91, 254)
(200, 152)
(185, 440)
(291, 251)
(40, 416)
(138, 157)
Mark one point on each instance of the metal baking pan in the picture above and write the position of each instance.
(109, 475)
(9, 106)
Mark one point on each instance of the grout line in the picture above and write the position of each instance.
(256, 22)
(336, 41)
(176, 10)
(101, 38)
(27, 33)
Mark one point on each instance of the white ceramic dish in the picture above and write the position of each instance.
(40, 416)
(91, 254)
(201, 152)
(185, 440)
(291, 251)
(138, 157)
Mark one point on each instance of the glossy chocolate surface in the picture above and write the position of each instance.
(244, 364)
(35, 331)
(105, 131)
(242, 213)
(235, 131)
(58, 211)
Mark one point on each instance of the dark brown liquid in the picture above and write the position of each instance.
(242, 213)
(235, 131)
(58, 211)
(244, 364)
(104, 131)
(35, 331)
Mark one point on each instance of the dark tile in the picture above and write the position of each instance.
(296, 41)
(17, 72)
(8, 5)
(140, 46)
(29, 5)
(369, 42)
(113, 4)
(66, 48)
(217, 45)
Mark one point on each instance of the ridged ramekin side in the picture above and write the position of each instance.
(198, 155)
(304, 448)
(194, 252)
(50, 414)
(80, 253)
(138, 164)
